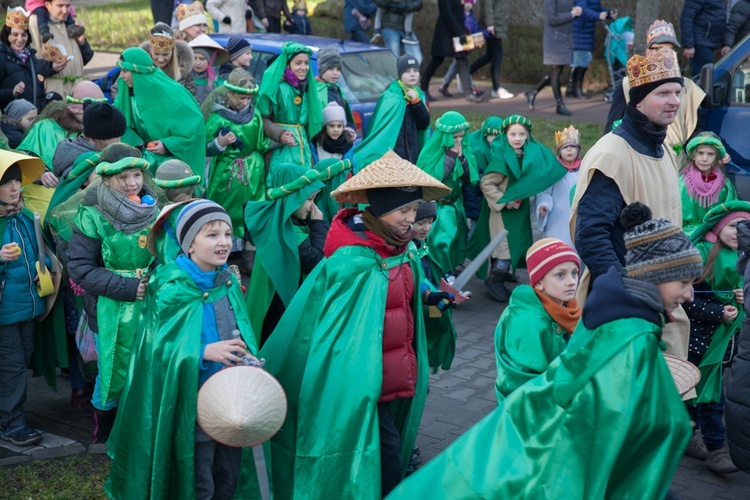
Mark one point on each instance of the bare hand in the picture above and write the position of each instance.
(9, 252)
(141, 292)
(513, 205)
(226, 139)
(542, 211)
(315, 213)
(412, 94)
(603, 15)
(287, 138)
(725, 50)
(739, 295)
(689, 53)
(57, 67)
(49, 179)
(727, 158)
(18, 89)
(264, 22)
(491, 30)
(227, 352)
(730, 312)
(157, 147)
(577, 11)
(351, 134)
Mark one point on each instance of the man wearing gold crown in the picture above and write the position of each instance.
(78, 48)
(661, 35)
(632, 164)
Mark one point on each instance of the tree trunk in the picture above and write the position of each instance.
(647, 11)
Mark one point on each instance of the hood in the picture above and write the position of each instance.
(614, 297)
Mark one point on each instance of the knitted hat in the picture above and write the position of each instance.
(175, 174)
(406, 62)
(18, 108)
(328, 58)
(661, 32)
(118, 151)
(706, 139)
(209, 48)
(194, 216)
(190, 15)
(333, 113)
(114, 168)
(658, 252)
(101, 120)
(237, 46)
(426, 211)
(389, 199)
(547, 253)
(645, 74)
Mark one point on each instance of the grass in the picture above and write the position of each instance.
(68, 477)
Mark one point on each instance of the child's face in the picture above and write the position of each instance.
(243, 60)
(728, 234)
(127, 182)
(28, 118)
(704, 158)
(569, 153)
(517, 136)
(300, 65)
(560, 283)
(331, 75)
(10, 192)
(458, 137)
(410, 77)
(127, 77)
(302, 212)
(675, 293)
(422, 228)
(468, 6)
(334, 129)
(161, 59)
(200, 63)
(402, 218)
(211, 245)
(489, 138)
(237, 101)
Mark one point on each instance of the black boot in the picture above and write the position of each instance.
(495, 286)
(104, 420)
(570, 90)
(531, 94)
(561, 109)
(578, 83)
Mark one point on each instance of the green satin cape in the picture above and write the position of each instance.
(153, 440)
(42, 140)
(604, 421)
(692, 213)
(327, 353)
(439, 331)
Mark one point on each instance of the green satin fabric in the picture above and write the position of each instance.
(237, 176)
(480, 237)
(122, 254)
(385, 125)
(327, 354)
(693, 214)
(152, 443)
(42, 140)
(527, 340)
(604, 421)
(294, 118)
(321, 88)
(439, 332)
(79, 174)
(520, 237)
(167, 247)
(324, 201)
(725, 277)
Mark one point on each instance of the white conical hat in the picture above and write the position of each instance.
(241, 406)
(685, 374)
(389, 171)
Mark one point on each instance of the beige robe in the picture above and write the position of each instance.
(493, 186)
(73, 71)
(652, 181)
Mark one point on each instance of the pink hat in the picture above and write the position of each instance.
(713, 234)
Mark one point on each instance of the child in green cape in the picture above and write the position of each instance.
(235, 143)
(193, 324)
(716, 316)
(290, 106)
(520, 168)
(540, 318)
(329, 71)
(446, 157)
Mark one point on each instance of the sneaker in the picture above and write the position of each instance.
(473, 98)
(718, 461)
(46, 35)
(21, 435)
(376, 37)
(477, 92)
(76, 31)
(408, 39)
(444, 91)
(696, 448)
(415, 460)
(503, 93)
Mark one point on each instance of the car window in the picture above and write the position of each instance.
(739, 92)
(260, 62)
(365, 75)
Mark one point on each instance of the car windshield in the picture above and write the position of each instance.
(365, 75)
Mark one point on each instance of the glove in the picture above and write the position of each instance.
(227, 20)
(442, 300)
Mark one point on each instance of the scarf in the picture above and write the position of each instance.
(336, 146)
(389, 234)
(566, 316)
(9, 210)
(704, 189)
(648, 294)
(241, 117)
(640, 127)
(24, 54)
(295, 82)
(570, 167)
(124, 214)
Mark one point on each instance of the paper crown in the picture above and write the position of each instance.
(566, 137)
(661, 31)
(190, 14)
(17, 17)
(659, 65)
(300, 5)
(161, 42)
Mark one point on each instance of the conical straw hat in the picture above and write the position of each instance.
(32, 167)
(685, 374)
(389, 171)
(241, 406)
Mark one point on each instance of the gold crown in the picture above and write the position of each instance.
(660, 28)
(300, 5)
(567, 137)
(17, 18)
(185, 10)
(659, 65)
(161, 42)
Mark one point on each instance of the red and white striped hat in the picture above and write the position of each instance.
(547, 253)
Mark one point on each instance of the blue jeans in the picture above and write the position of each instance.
(703, 56)
(581, 59)
(392, 41)
(359, 36)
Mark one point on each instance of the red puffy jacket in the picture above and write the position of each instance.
(399, 358)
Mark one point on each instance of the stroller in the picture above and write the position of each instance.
(617, 47)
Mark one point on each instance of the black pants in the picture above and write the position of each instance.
(217, 470)
(494, 56)
(390, 450)
(434, 64)
(274, 24)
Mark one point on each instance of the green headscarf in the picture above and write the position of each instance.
(168, 110)
(431, 158)
(538, 170)
(274, 74)
(480, 148)
(714, 215)
(707, 139)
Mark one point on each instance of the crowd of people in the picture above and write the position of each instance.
(119, 222)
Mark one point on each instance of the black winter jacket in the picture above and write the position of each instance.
(738, 25)
(416, 117)
(703, 23)
(14, 70)
(450, 23)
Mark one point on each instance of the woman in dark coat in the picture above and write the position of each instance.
(21, 73)
(558, 48)
(450, 24)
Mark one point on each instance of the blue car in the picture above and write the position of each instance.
(367, 69)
